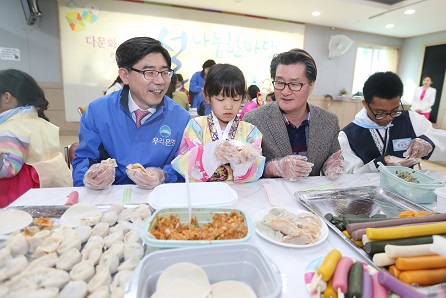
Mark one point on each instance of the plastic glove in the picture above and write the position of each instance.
(290, 167)
(224, 151)
(99, 176)
(334, 165)
(404, 162)
(146, 177)
(418, 148)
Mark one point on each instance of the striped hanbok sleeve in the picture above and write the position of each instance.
(13, 153)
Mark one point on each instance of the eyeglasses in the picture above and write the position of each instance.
(278, 85)
(381, 115)
(152, 74)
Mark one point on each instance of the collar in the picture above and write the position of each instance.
(305, 122)
(133, 106)
(363, 120)
(28, 109)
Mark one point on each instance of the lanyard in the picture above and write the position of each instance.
(384, 141)
(221, 135)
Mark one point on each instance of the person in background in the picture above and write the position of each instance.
(424, 98)
(299, 139)
(180, 86)
(30, 154)
(137, 125)
(220, 147)
(178, 96)
(253, 92)
(197, 81)
(270, 97)
(115, 86)
(384, 132)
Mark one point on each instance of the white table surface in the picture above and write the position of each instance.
(252, 199)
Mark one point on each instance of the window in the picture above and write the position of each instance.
(370, 59)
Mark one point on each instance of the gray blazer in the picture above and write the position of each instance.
(323, 134)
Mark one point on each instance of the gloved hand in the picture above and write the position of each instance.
(290, 167)
(99, 176)
(334, 165)
(224, 151)
(404, 162)
(418, 148)
(146, 177)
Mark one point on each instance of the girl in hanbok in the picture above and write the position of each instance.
(219, 146)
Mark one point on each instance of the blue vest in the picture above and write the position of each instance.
(363, 145)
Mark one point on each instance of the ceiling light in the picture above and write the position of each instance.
(316, 13)
(409, 11)
(388, 26)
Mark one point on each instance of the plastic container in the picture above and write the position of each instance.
(422, 192)
(441, 199)
(203, 194)
(203, 215)
(242, 262)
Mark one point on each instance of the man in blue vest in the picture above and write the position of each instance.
(139, 127)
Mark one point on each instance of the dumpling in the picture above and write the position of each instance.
(101, 292)
(83, 232)
(133, 250)
(113, 238)
(110, 217)
(18, 245)
(45, 261)
(92, 252)
(55, 278)
(120, 279)
(13, 267)
(132, 236)
(101, 278)
(37, 239)
(108, 261)
(68, 259)
(82, 271)
(74, 289)
(101, 229)
(69, 243)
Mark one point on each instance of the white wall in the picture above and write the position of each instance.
(38, 44)
(40, 48)
(336, 74)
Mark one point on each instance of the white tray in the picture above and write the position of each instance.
(203, 194)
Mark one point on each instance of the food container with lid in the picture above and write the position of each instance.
(203, 215)
(441, 199)
(421, 191)
(242, 262)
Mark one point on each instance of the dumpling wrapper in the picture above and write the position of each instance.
(73, 215)
(232, 288)
(181, 271)
(14, 220)
(183, 279)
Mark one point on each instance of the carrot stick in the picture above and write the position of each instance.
(423, 277)
(420, 262)
(394, 271)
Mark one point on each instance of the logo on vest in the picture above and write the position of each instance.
(165, 131)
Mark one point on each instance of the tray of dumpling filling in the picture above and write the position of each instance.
(170, 227)
(291, 227)
(69, 251)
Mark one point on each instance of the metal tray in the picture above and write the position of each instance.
(56, 211)
(368, 200)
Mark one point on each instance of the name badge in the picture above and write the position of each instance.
(401, 144)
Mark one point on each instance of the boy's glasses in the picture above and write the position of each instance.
(152, 74)
(382, 115)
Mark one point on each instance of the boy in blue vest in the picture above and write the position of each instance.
(384, 132)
